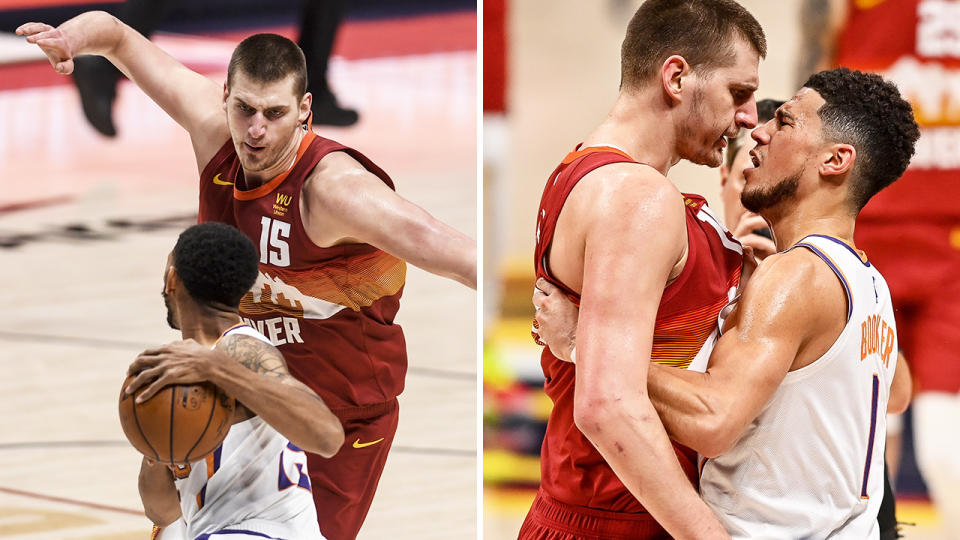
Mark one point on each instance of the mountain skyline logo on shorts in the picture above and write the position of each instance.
(219, 182)
(358, 444)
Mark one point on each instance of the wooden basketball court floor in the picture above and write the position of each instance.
(92, 221)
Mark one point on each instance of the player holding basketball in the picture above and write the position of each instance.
(332, 233)
(607, 466)
(237, 491)
(791, 408)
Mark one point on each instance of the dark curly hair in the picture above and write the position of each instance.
(701, 31)
(216, 263)
(867, 112)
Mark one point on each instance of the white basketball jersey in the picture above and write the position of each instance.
(255, 482)
(810, 466)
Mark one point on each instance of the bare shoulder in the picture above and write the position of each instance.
(629, 193)
(254, 354)
(795, 288)
(208, 136)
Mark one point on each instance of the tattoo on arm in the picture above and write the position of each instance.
(262, 358)
(255, 355)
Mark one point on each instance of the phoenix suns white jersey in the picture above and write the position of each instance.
(255, 483)
(810, 466)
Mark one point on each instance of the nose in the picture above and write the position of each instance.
(746, 115)
(761, 134)
(258, 126)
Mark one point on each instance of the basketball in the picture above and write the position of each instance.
(179, 424)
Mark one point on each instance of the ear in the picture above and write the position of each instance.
(724, 174)
(305, 104)
(171, 281)
(673, 73)
(226, 94)
(838, 162)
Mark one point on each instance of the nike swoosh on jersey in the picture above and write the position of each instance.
(358, 444)
(219, 182)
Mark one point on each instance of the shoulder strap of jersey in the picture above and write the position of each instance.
(840, 257)
(565, 177)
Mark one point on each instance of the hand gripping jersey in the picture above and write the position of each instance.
(811, 464)
(255, 482)
(330, 311)
(572, 471)
(914, 44)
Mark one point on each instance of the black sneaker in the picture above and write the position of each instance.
(96, 81)
(328, 112)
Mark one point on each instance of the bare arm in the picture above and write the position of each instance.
(901, 389)
(821, 22)
(345, 203)
(192, 100)
(793, 307)
(158, 493)
(619, 302)
(254, 373)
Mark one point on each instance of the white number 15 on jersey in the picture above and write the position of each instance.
(274, 250)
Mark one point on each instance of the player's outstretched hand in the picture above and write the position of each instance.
(555, 319)
(180, 362)
(52, 42)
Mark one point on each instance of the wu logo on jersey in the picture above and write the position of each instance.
(282, 204)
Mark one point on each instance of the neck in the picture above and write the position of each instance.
(636, 124)
(206, 324)
(789, 227)
(283, 164)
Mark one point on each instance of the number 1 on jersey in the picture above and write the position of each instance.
(274, 250)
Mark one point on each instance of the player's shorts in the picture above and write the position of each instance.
(920, 260)
(344, 485)
(550, 519)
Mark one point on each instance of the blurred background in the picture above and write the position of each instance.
(550, 74)
(94, 191)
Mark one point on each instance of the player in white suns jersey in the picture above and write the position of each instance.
(801, 467)
(255, 484)
(790, 412)
(256, 480)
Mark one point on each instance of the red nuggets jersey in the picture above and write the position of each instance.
(572, 471)
(914, 43)
(329, 310)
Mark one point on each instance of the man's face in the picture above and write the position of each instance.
(722, 101)
(167, 300)
(263, 119)
(786, 153)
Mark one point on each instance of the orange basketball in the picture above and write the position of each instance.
(179, 424)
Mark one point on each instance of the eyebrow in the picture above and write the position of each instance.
(783, 114)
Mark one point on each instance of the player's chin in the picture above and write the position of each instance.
(710, 158)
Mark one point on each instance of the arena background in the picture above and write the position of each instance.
(86, 224)
(551, 70)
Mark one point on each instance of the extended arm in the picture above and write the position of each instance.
(192, 100)
(345, 203)
(253, 372)
(821, 22)
(619, 301)
(792, 308)
(158, 493)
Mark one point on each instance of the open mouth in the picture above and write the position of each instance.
(754, 158)
(252, 148)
